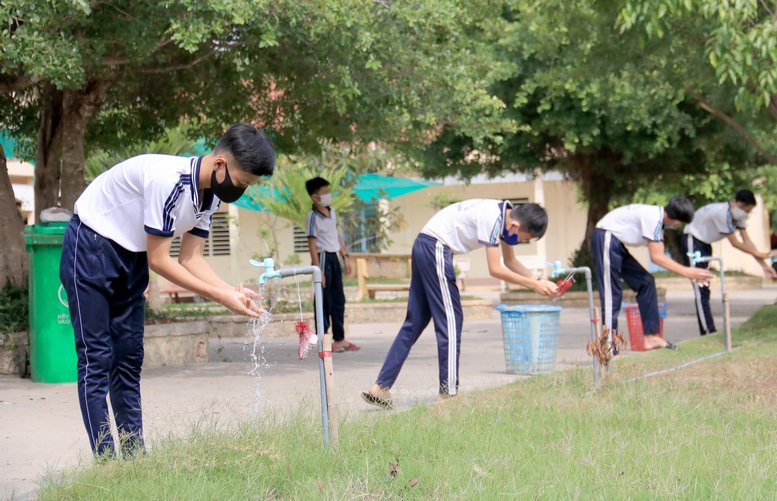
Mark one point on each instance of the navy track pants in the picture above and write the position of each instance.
(689, 243)
(105, 285)
(434, 295)
(614, 262)
(334, 296)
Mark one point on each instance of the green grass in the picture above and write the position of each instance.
(705, 432)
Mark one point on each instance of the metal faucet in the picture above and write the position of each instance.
(559, 270)
(328, 415)
(269, 269)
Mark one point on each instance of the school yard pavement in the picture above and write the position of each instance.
(42, 429)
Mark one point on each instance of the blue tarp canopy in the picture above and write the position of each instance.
(9, 145)
(368, 187)
(371, 186)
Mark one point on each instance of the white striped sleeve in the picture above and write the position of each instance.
(160, 196)
(310, 224)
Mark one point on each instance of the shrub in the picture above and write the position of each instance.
(14, 308)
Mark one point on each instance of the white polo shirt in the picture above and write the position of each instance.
(324, 229)
(635, 224)
(713, 222)
(147, 194)
(467, 225)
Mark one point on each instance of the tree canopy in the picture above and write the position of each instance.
(595, 103)
(343, 70)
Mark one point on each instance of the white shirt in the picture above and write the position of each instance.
(465, 226)
(147, 194)
(713, 222)
(635, 224)
(323, 229)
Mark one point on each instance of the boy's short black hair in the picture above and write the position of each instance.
(746, 197)
(315, 184)
(533, 218)
(680, 209)
(251, 148)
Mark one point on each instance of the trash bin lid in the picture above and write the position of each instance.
(529, 308)
(45, 234)
(52, 228)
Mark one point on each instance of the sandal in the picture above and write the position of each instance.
(382, 402)
(349, 346)
(338, 349)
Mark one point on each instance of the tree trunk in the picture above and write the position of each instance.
(48, 157)
(59, 174)
(597, 191)
(13, 258)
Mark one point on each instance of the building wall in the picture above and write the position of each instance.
(21, 176)
(565, 231)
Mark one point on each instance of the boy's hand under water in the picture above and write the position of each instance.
(240, 301)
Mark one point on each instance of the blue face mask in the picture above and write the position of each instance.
(509, 239)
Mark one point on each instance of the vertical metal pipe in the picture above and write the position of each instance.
(591, 308)
(592, 320)
(695, 258)
(726, 308)
(319, 296)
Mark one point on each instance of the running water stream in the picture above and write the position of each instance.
(258, 351)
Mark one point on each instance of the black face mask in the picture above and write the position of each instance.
(225, 190)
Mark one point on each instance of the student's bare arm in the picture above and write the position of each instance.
(192, 257)
(499, 271)
(313, 252)
(344, 254)
(513, 263)
(159, 261)
(746, 245)
(750, 248)
(657, 255)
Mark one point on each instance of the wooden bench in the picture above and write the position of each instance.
(369, 265)
(178, 294)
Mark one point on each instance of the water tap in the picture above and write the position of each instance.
(269, 269)
(694, 257)
(556, 268)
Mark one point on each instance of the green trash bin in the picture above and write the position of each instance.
(52, 345)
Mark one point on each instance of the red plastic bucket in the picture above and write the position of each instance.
(634, 322)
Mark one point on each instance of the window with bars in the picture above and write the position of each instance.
(300, 240)
(217, 243)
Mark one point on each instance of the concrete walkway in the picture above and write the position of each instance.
(42, 429)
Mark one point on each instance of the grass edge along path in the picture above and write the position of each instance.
(706, 432)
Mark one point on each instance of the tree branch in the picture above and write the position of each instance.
(177, 67)
(122, 60)
(9, 84)
(773, 106)
(736, 126)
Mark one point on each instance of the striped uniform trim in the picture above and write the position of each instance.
(607, 276)
(657, 232)
(450, 316)
(312, 224)
(697, 293)
(167, 216)
(92, 433)
(494, 238)
(730, 221)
